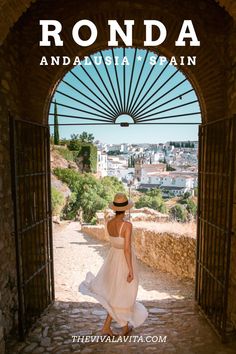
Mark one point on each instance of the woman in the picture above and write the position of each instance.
(116, 283)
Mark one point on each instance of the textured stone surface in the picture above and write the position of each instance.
(97, 231)
(186, 332)
(8, 289)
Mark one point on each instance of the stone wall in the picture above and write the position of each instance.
(165, 251)
(97, 231)
(9, 102)
(142, 214)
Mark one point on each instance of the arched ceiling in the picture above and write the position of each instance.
(11, 11)
(37, 84)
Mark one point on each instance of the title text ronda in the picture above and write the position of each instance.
(51, 30)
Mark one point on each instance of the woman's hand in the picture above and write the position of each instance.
(130, 277)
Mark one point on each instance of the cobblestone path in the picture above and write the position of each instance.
(174, 320)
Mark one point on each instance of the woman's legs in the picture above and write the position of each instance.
(106, 329)
(107, 325)
(126, 329)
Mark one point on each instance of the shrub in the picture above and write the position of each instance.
(178, 213)
(152, 199)
(58, 201)
(82, 147)
(71, 208)
(88, 193)
(190, 205)
(65, 153)
(94, 221)
(111, 186)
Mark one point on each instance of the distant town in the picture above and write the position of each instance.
(171, 166)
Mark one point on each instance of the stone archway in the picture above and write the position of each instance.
(27, 89)
(209, 83)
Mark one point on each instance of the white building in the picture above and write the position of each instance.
(169, 181)
(125, 174)
(124, 148)
(118, 167)
(142, 170)
(158, 156)
(101, 163)
(113, 147)
(178, 181)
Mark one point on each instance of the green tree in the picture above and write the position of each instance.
(56, 127)
(184, 198)
(152, 199)
(74, 143)
(187, 195)
(111, 186)
(86, 138)
(88, 193)
(87, 151)
(91, 197)
(178, 213)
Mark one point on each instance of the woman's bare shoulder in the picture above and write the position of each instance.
(128, 225)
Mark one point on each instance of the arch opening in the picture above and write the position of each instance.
(139, 83)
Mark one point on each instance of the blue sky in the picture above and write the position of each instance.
(148, 98)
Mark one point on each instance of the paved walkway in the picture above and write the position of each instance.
(173, 322)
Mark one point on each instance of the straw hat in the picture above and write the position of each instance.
(121, 202)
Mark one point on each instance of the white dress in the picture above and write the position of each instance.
(110, 286)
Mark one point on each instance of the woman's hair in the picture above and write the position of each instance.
(120, 212)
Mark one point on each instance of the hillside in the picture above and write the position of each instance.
(64, 192)
(88, 194)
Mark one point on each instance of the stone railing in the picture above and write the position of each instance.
(142, 214)
(157, 247)
(97, 231)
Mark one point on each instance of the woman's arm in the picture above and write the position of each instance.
(128, 252)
